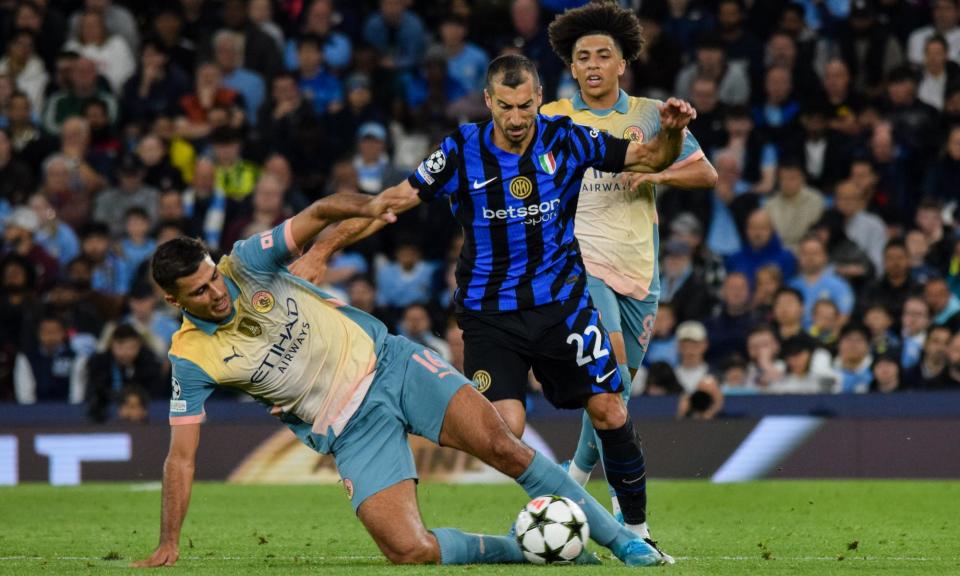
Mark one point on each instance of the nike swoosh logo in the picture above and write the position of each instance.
(479, 185)
(635, 480)
(605, 376)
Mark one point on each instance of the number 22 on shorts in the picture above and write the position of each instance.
(598, 350)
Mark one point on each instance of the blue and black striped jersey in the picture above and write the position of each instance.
(517, 211)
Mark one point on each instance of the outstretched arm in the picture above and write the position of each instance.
(312, 265)
(177, 483)
(659, 153)
(691, 176)
(341, 206)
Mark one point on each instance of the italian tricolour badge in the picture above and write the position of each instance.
(547, 162)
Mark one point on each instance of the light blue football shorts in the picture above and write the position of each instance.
(410, 392)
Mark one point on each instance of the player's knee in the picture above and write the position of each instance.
(607, 411)
(421, 550)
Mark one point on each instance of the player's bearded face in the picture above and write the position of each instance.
(514, 109)
(597, 65)
(204, 293)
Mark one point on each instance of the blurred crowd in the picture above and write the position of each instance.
(826, 260)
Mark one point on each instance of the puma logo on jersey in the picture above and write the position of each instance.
(235, 355)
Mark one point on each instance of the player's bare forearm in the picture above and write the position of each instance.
(340, 206)
(656, 155)
(692, 176)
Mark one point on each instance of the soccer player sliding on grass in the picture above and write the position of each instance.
(616, 222)
(344, 386)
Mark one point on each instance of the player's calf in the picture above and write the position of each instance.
(622, 454)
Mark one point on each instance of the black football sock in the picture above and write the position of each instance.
(626, 470)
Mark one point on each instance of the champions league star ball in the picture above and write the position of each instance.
(552, 530)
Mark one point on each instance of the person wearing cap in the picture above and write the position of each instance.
(692, 345)
(112, 204)
(18, 238)
(374, 169)
(680, 285)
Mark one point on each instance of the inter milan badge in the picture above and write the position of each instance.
(348, 486)
(482, 380)
(250, 328)
(633, 134)
(262, 301)
(521, 187)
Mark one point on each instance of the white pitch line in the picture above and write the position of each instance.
(194, 558)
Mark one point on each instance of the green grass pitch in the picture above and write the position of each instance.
(773, 527)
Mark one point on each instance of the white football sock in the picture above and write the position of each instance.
(640, 530)
(579, 475)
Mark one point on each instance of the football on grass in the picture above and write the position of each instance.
(552, 530)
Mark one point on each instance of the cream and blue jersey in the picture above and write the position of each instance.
(289, 345)
(616, 227)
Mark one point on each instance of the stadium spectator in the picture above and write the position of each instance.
(945, 172)
(704, 403)
(660, 62)
(159, 173)
(30, 144)
(126, 362)
(739, 44)
(914, 322)
(769, 281)
(155, 329)
(360, 109)
(18, 238)
(937, 73)
(156, 87)
(886, 375)
(680, 286)
(879, 324)
(228, 53)
(531, 39)
(20, 305)
(778, 116)
(133, 405)
(416, 325)
(692, 345)
(763, 247)
(398, 35)
(109, 273)
(117, 20)
(234, 175)
(895, 285)
(167, 30)
(825, 326)
(917, 250)
(112, 204)
(17, 181)
(319, 21)
(949, 379)
(663, 342)
(914, 121)
(76, 145)
(405, 280)
(933, 361)
(466, 62)
(824, 153)
(944, 305)
(733, 380)
(708, 125)
(44, 23)
(25, 67)
(709, 266)
(868, 48)
(727, 329)
(944, 23)
(58, 239)
(732, 78)
(929, 220)
(205, 204)
(866, 230)
(112, 55)
(363, 295)
(815, 280)
(843, 101)
(320, 87)
(848, 260)
(82, 322)
(853, 361)
(136, 245)
(756, 158)
(260, 53)
(209, 93)
(260, 13)
(268, 211)
(289, 125)
(794, 206)
(72, 100)
(278, 166)
(803, 374)
(51, 371)
(372, 163)
(788, 314)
